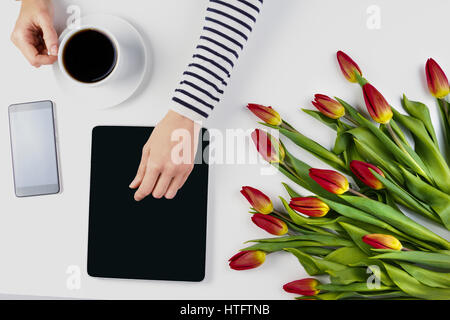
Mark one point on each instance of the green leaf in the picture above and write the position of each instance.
(421, 112)
(346, 255)
(348, 275)
(306, 261)
(314, 148)
(396, 219)
(439, 201)
(432, 259)
(390, 295)
(410, 201)
(413, 287)
(292, 193)
(427, 277)
(278, 246)
(427, 151)
(357, 234)
(325, 240)
(409, 158)
(316, 251)
(444, 111)
(359, 287)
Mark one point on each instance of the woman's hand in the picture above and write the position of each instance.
(167, 157)
(34, 33)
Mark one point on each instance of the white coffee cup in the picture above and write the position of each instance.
(122, 50)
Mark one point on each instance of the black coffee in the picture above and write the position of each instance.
(89, 56)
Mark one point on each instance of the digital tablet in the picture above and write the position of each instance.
(154, 239)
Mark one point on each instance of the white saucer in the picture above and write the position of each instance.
(114, 92)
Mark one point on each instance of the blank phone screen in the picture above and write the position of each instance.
(33, 148)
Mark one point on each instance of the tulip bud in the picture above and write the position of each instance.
(269, 147)
(271, 224)
(310, 206)
(329, 107)
(379, 109)
(436, 79)
(266, 114)
(348, 67)
(330, 180)
(362, 171)
(304, 287)
(382, 241)
(245, 260)
(258, 200)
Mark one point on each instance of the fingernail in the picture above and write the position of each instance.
(54, 50)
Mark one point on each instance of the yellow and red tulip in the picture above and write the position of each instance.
(268, 147)
(379, 109)
(329, 107)
(258, 200)
(310, 206)
(348, 67)
(304, 287)
(436, 79)
(382, 241)
(362, 171)
(245, 260)
(266, 114)
(330, 180)
(270, 224)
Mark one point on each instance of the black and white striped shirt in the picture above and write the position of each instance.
(228, 24)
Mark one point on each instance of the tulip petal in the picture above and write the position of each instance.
(379, 109)
(266, 114)
(382, 241)
(330, 180)
(246, 260)
(258, 200)
(305, 287)
(271, 224)
(348, 66)
(362, 170)
(436, 79)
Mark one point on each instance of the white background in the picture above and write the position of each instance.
(290, 56)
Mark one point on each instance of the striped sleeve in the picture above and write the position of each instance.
(228, 24)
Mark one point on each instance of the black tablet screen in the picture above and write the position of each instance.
(156, 239)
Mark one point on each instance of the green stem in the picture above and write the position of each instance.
(356, 193)
(351, 120)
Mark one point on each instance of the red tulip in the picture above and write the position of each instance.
(266, 114)
(362, 171)
(310, 206)
(329, 107)
(348, 66)
(436, 79)
(271, 224)
(379, 109)
(259, 201)
(330, 180)
(269, 148)
(382, 241)
(245, 260)
(305, 287)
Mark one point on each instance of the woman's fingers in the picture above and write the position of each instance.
(141, 169)
(176, 184)
(163, 183)
(50, 36)
(152, 172)
(31, 53)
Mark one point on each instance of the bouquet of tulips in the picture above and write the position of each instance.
(343, 229)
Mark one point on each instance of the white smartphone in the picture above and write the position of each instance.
(33, 148)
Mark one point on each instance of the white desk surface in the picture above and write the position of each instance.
(290, 57)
